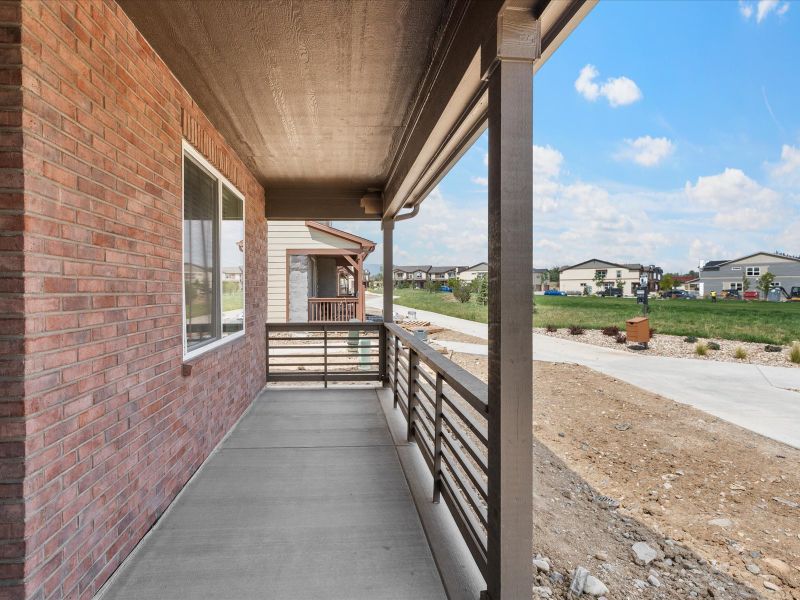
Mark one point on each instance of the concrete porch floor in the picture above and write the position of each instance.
(306, 499)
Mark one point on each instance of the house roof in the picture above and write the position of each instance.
(413, 268)
(713, 265)
(772, 254)
(446, 269)
(535, 270)
(484, 267)
(367, 245)
(629, 266)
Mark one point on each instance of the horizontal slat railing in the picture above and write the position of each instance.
(325, 352)
(323, 310)
(446, 410)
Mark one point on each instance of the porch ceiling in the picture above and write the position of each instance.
(327, 100)
(314, 91)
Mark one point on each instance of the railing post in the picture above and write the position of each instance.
(394, 370)
(437, 441)
(382, 351)
(413, 361)
(325, 355)
(266, 354)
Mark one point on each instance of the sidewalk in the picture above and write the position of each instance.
(755, 397)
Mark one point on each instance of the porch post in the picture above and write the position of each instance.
(359, 288)
(388, 266)
(509, 69)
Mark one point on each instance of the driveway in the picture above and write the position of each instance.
(755, 397)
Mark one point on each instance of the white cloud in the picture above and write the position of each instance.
(703, 251)
(585, 83)
(547, 162)
(736, 200)
(482, 181)
(619, 91)
(788, 169)
(646, 151)
(763, 8)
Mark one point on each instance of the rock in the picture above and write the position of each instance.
(653, 580)
(640, 584)
(771, 586)
(622, 426)
(643, 554)
(541, 565)
(601, 556)
(594, 587)
(753, 568)
(785, 502)
(772, 348)
(720, 522)
(782, 571)
(541, 591)
(556, 577)
(713, 346)
(579, 577)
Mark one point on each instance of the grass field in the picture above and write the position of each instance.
(767, 322)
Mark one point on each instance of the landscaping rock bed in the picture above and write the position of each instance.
(675, 346)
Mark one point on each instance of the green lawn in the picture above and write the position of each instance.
(767, 322)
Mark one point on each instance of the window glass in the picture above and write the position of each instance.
(232, 261)
(199, 249)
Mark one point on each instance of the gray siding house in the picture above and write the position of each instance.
(719, 275)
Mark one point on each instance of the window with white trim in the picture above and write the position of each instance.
(213, 256)
(753, 271)
(735, 285)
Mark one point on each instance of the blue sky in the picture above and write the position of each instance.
(665, 132)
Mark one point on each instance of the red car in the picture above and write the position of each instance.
(751, 295)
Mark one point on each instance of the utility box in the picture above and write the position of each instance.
(638, 330)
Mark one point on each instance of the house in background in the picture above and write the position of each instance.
(479, 270)
(415, 275)
(444, 273)
(315, 272)
(719, 275)
(541, 279)
(596, 275)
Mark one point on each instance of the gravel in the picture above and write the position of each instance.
(674, 346)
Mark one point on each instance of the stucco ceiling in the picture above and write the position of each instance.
(308, 93)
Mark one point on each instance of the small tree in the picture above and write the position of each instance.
(620, 284)
(667, 282)
(462, 294)
(483, 291)
(454, 283)
(746, 283)
(431, 286)
(599, 278)
(765, 283)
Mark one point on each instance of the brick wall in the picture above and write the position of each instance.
(12, 309)
(109, 429)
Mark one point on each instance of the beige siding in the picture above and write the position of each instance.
(571, 279)
(282, 236)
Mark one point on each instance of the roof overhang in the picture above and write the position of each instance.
(342, 110)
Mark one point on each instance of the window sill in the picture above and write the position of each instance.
(191, 358)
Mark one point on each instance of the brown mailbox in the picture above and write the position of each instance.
(638, 330)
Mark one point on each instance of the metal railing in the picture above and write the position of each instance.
(323, 310)
(325, 352)
(446, 411)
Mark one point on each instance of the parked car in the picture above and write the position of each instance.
(751, 295)
(611, 292)
(445, 288)
(676, 294)
(554, 293)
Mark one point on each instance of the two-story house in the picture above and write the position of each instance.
(719, 275)
(595, 275)
(416, 275)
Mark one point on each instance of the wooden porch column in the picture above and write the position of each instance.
(508, 65)
(359, 288)
(388, 266)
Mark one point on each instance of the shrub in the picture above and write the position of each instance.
(551, 328)
(701, 349)
(690, 339)
(794, 353)
(740, 353)
(621, 338)
(462, 294)
(611, 331)
(576, 330)
(713, 346)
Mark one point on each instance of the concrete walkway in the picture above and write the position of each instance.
(305, 500)
(754, 397)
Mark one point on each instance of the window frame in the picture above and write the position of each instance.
(189, 152)
(751, 272)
